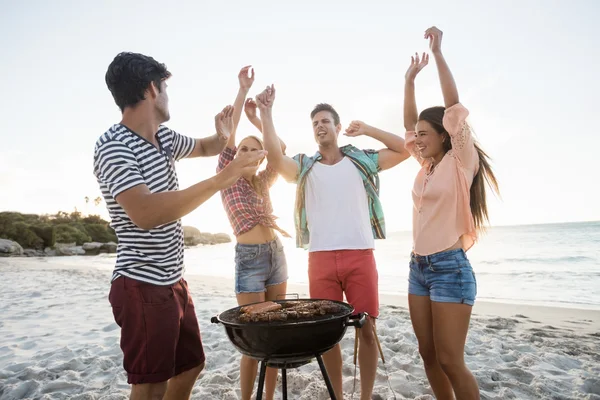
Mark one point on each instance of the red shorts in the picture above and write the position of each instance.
(160, 336)
(353, 272)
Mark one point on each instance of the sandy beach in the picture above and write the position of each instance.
(58, 341)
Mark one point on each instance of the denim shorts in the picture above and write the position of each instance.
(445, 277)
(258, 266)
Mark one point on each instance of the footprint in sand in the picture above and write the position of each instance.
(578, 322)
(220, 379)
(111, 327)
(507, 358)
(24, 390)
(18, 367)
(501, 323)
(60, 386)
(517, 374)
(528, 360)
(28, 345)
(87, 396)
(549, 327)
(541, 333)
(592, 386)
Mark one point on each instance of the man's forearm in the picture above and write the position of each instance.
(157, 209)
(211, 146)
(391, 141)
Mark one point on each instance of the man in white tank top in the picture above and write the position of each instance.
(338, 216)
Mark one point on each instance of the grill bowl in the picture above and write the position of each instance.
(288, 342)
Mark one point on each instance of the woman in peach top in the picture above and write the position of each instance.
(449, 209)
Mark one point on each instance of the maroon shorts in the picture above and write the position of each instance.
(353, 272)
(160, 336)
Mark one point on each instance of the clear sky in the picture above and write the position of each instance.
(527, 70)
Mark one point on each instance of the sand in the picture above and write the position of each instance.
(58, 340)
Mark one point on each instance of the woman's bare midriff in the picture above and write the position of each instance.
(257, 235)
(457, 245)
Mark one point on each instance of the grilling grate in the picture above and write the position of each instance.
(232, 316)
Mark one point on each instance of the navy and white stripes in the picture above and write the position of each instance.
(123, 160)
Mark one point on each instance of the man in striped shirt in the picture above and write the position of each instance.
(134, 166)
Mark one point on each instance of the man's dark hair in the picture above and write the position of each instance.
(326, 107)
(129, 75)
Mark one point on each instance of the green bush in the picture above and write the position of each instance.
(100, 233)
(17, 227)
(26, 237)
(47, 233)
(39, 231)
(68, 234)
(94, 219)
(7, 223)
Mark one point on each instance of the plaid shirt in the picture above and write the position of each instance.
(245, 207)
(367, 163)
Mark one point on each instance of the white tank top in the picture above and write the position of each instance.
(337, 208)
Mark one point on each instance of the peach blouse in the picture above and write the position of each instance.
(441, 195)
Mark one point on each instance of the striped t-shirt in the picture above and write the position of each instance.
(122, 160)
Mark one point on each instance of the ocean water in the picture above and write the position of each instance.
(553, 264)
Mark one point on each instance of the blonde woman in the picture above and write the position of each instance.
(260, 265)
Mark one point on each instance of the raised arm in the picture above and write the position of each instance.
(411, 115)
(392, 155)
(250, 108)
(456, 114)
(245, 85)
(446, 79)
(284, 165)
(116, 166)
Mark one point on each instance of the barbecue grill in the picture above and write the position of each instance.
(289, 344)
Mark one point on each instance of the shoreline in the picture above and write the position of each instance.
(586, 321)
(519, 281)
(223, 287)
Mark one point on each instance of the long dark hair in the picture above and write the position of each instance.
(485, 174)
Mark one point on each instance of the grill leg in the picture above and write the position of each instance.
(326, 378)
(283, 384)
(261, 379)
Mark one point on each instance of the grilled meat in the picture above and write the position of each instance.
(270, 311)
(263, 307)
